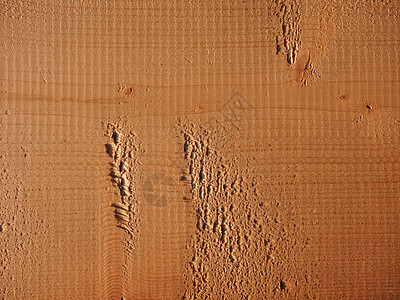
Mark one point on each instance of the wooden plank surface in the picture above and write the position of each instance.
(199, 149)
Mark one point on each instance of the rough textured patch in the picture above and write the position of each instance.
(246, 245)
(123, 149)
(288, 42)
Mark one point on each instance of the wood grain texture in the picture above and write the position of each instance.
(305, 139)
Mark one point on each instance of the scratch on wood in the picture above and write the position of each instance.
(288, 41)
(122, 149)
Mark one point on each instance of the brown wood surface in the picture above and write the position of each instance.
(262, 139)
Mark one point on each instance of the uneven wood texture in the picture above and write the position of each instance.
(199, 149)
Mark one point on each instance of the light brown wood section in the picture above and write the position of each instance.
(264, 149)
